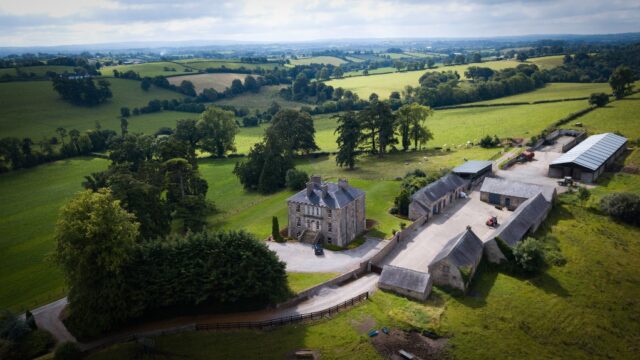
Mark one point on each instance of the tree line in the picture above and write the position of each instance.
(82, 91)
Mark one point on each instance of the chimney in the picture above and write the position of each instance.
(468, 227)
(342, 183)
(325, 189)
(310, 186)
(316, 179)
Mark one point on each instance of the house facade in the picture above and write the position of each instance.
(433, 198)
(331, 212)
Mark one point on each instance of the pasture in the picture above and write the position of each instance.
(621, 115)
(29, 208)
(217, 81)
(34, 109)
(332, 60)
(384, 84)
(554, 91)
(547, 62)
(261, 100)
(203, 64)
(38, 70)
(151, 69)
(576, 311)
(382, 70)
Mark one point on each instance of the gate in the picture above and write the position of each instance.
(376, 269)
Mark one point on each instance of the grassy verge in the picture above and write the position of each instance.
(302, 281)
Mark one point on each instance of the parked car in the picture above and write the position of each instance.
(317, 249)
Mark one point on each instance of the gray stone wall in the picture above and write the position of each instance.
(442, 277)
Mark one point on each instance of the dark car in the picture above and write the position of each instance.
(317, 249)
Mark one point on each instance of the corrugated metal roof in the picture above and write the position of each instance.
(439, 188)
(523, 218)
(472, 167)
(516, 188)
(463, 250)
(592, 152)
(337, 197)
(404, 278)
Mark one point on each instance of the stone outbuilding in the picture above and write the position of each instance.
(511, 194)
(456, 263)
(431, 199)
(334, 213)
(474, 170)
(410, 283)
(588, 160)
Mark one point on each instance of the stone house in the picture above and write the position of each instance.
(330, 212)
(410, 283)
(511, 194)
(456, 263)
(431, 199)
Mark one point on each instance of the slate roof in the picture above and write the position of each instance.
(439, 188)
(472, 167)
(403, 278)
(592, 152)
(465, 249)
(337, 197)
(516, 188)
(526, 215)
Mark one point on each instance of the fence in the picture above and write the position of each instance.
(283, 320)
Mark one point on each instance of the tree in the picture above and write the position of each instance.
(624, 206)
(68, 350)
(598, 99)
(411, 183)
(124, 112)
(145, 84)
(529, 255)
(338, 73)
(296, 179)
(186, 87)
(621, 81)
(275, 229)
(236, 87)
(476, 58)
(522, 56)
(379, 122)
(295, 130)
(430, 63)
(349, 134)
(62, 132)
(124, 126)
(217, 129)
(265, 167)
(411, 125)
(250, 84)
(583, 194)
(94, 238)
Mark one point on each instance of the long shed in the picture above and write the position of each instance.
(407, 282)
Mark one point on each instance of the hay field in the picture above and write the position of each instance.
(219, 81)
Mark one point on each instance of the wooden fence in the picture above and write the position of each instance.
(284, 320)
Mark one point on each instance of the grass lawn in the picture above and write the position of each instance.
(218, 81)
(621, 115)
(384, 84)
(554, 91)
(547, 62)
(28, 212)
(585, 309)
(261, 100)
(150, 69)
(34, 109)
(318, 60)
(302, 281)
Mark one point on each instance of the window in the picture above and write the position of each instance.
(328, 212)
(329, 227)
(298, 221)
(329, 240)
(308, 224)
(445, 268)
(317, 225)
(298, 208)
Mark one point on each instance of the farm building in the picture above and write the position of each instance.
(407, 282)
(511, 194)
(431, 199)
(525, 220)
(456, 263)
(333, 212)
(587, 160)
(474, 170)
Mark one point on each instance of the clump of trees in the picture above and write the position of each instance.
(82, 91)
(598, 99)
(296, 179)
(489, 142)
(113, 276)
(20, 338)
(412, 182)
(621, 81)
(623, 206)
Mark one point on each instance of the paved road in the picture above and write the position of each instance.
(48, 317)
(301, 258)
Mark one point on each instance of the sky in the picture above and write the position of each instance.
(68, 22)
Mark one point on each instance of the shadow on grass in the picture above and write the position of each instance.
(477, 292)
(549, 284)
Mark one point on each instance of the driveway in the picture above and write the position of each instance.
(301, 258)
(418, 251)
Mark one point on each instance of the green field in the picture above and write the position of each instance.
(38, 70)
(318, 60)
(217, 81)
(547, 62)
(585, 309)
(217, 64)
(384, 84)
(150, 69)
(28, 212)
(621, 115)
(303, 281)
(554, 91)
(354, 59)
(34, 109)
(262, 100)
(382, 70)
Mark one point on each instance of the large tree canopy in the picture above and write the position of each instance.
(217, 130)
(295, 130)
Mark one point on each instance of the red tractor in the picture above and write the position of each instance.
(492, 221)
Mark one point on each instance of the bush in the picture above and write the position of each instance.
(529, 255)
(68, 351)
(583, 194)
(34, 344)
(599, 99)
(296, 179)
(623, 206)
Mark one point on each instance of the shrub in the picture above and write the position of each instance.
(529, 255)
(34, 344)
(583, 194)
(275, 229)
(296, 179)
(67, 351)
(599, 99)
(623, 206)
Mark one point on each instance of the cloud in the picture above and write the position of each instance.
(46, 22)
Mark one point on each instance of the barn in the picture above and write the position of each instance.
(456, 263)
(588, 160)
(473, 170)
(410, 283)
(511, 194)
(431, 199)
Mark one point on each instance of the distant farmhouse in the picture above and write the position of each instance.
(431, 199)
(331, 212)
(588, 160)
